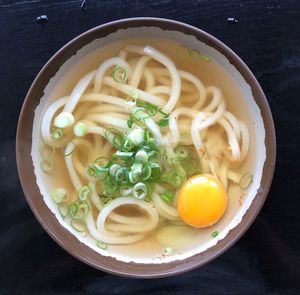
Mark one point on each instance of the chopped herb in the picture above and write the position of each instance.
(214, 234)
(163, 122)
(101, 245)
(168, 251)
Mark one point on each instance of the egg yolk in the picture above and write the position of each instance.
(202, 200)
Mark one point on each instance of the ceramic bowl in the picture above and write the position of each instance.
(258, 108)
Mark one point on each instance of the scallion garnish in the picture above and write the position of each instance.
(84, 193)
(101, 245)
(64, 120)
(80, 129)
(46, 164)
(182, 151)
(138, 162)
(163, 122)
(56, 134)
(168, 196)
(63, 209)
(135, 136)
(58, 195)
(140, 190)
(168, 251)
(78, 209)
(78, 225)
(119, 74)
(214, 234)
(47, 153)
(141, 156)
(205, 57)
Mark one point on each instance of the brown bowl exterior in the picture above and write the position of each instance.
(47, 219)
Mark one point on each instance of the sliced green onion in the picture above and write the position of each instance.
(84, 193)
(63, 209)
(175, 178)
(120, 154)
(152, 111)
(151, 188)
(149, 107)
(194, 53)
(246, 180)
(146, 105)
(128, 144)
(149, 137)
(156, 170)
(136, 136)
(163, 122)
(101, 245)
(139, 114)
(183, 51)
(58, 195)
(111, 187)
(146, 173)
(79, 209)
(101, 162)
(64, 120)
(140, 190)
(137, 169)
(134, 93)
(69, 149)
(97, 172)
(46, 164)
(78, 225)
(122, 175)
(80, 129)
(178, 179)
(168, 251)
(163, 113)
(214, 234)
(56, 134)
(173, 159)
(130, 122)
(205, 57)
(114, 137)
(141, 156)
(119, 74)
(153, 155)
(91, 171)
(182, 151)
(168, 196)
(113, 169)
(132, 178)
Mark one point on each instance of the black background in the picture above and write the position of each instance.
(266, 260)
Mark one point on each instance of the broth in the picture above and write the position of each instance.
(183, 238)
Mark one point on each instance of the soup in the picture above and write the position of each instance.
(144, 149)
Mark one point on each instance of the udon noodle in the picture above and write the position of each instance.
(142, 96)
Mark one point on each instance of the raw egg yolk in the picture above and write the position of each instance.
(202, 200)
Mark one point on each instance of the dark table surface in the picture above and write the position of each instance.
(266, 260)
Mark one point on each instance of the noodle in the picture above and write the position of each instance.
(176, 110)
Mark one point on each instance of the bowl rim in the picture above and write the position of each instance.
(48, 220)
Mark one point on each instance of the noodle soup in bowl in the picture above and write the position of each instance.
(145, 147)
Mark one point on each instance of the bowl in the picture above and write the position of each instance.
(258, 108)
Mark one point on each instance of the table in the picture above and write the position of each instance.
(266, 260)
